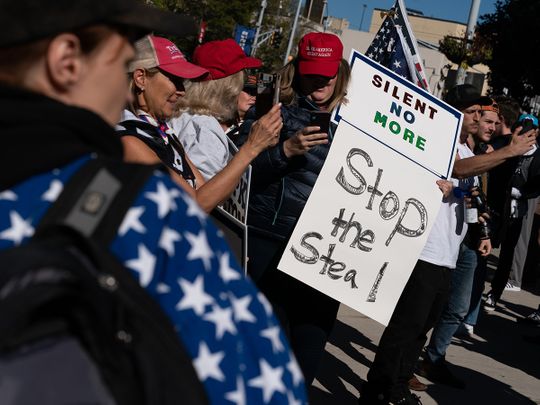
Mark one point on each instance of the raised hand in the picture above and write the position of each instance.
(265, 131)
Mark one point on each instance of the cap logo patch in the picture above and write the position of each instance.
(174, 52)
(319, 52)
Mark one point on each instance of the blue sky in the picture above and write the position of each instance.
(455, 10)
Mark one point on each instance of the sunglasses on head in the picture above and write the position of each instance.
(492, 107)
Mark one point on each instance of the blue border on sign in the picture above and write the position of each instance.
(337, 117)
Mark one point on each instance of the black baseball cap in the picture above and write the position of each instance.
(25, 21)
(463, 96)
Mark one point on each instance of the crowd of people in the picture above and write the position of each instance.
(76, 85)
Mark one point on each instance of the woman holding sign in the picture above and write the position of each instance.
(312, 85)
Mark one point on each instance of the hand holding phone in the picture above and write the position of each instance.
(526, 122)
(267, 93)
(320, 119)
(303, 141)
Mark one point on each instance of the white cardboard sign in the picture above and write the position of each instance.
(372, 208)
(402, 116)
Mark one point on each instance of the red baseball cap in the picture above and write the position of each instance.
(152, 51)
(223, 58)
(319, 53)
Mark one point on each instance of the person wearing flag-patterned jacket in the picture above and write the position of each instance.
(62, 87)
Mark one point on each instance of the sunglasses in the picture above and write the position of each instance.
(178, 81)
(252, 91)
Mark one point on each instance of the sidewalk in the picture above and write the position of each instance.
(498, 366)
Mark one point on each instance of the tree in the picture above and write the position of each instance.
(457, 51)
(220, 17)
(277, 16)
(512, 31)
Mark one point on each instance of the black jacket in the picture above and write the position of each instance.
(40, 134)
(280, 186)
(521, 172)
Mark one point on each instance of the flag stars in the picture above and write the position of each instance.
(291, 400)
(273, 335)
(265, 303)
(163, 199)
(194, 296)
(294, 369)
(226, 272)
(223, 319)
(8, 195)
(193, 209)
(200, 249)
(163, 288)
(144, 264)
(132, 220)
(239, 395)
(270, 380)
(207, 364)
(54, 190)
(241, 311)
(168, 238)
(18, 230)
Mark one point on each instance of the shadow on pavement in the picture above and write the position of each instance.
(333, 372)
(481, 389)
(503, 342)
(504, 339)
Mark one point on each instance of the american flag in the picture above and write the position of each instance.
(394, 47)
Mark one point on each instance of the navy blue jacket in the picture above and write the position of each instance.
(281, 186)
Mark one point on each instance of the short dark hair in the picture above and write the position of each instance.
(509, 109)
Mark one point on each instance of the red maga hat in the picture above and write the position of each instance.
(223, 58)
(159, 52)
(319, 53)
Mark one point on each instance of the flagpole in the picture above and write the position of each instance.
(362, 19)
(293, 31)
(473, 17)
(259, 24)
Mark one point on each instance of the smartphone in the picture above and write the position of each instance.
(527, 122)
(527, 125)
(320, 119)
(267, 92)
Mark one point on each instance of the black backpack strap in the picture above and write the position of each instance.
(88, 213)
(96, 198)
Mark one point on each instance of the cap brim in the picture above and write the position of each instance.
(149, 19)
(184, 69)
(328, 69)
(252, 63)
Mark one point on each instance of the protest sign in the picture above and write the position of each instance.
(371, 210)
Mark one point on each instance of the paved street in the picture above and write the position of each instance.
(498, 366)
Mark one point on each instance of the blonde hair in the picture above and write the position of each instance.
(289, 84)
(217, 98)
